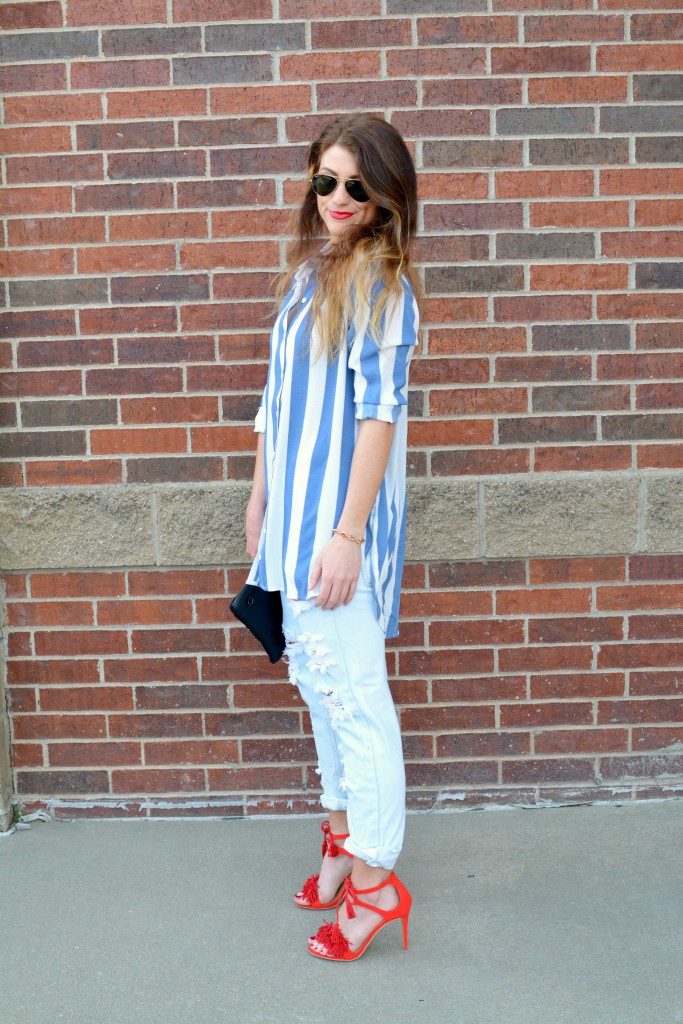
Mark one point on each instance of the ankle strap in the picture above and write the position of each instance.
(329, 846)
(351, 895)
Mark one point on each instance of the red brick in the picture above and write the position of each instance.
(580, 741)
(86, 698)
(446, 432)
(132, 227)
(641, 710)
(267, 99)
(578, 89)
(544, 769)
(33, 78)
(578, 277)
(584, 214)
(27, 755)
(122, 441)
(659, 396)
(657, 212)
(573, 28)
(624, 181)
(638, 307)
(443, 61)
(266, 695)
(31, 15)
(439, 719)
(534, 60)
(129, 612)
(73, 473)
(639, 596)
(656, 456)
(185, 409)
(157, 780)
(473, 462)
(543, 307)
(479, 689)
(640, 655)
(123, 258)
(50, 199)
(636, 57)
(124, 319)
(522, 184)
(59, 726)
(639, 366)
(93, 754)
(60, 107)
(576, 570)
(656, 738)
(50, 613)
(176, 581)
(582, 458)
(81, 642)
(219, 10)
(543, 659)
(632, 244)
(76, 167)
(160, 641)
(578, 685)
(656, 567)
(453, 186)
(125, 12)
(564, 630)
(33, 262)
(44, 139)
(191, 751)
(476, 631)
(441, 663)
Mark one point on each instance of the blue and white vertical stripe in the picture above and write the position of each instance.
(310, 413)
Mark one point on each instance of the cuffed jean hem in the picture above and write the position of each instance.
(375, 858)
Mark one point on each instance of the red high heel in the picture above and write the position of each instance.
(337, 946)
(309, 890)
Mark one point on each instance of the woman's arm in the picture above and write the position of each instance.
(256, 506)
(338, 564)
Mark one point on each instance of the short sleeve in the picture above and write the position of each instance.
(380, 382)
(260, 419)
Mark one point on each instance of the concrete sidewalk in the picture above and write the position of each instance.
(568, 915)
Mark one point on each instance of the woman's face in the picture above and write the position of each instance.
(339, 211)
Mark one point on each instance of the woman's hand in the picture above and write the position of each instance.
(337, 567)
(256, 511)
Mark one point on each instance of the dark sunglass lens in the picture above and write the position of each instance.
(357, 191)
(324, 184)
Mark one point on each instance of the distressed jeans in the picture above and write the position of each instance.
(337, 660)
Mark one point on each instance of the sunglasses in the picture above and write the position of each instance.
(325, 184)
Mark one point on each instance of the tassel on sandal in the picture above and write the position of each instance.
(309, 890)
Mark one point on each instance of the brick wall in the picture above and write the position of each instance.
(153, 148)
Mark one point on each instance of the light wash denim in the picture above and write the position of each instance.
(337, 660)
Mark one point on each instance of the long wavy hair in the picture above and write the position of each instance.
(362, 272)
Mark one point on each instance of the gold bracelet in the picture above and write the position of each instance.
(349, 536)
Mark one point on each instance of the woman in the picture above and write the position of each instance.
(326, 517)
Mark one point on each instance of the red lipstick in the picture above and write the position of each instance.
(338, 215)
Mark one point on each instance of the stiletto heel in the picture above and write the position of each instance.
(309, 890)
(337, 946)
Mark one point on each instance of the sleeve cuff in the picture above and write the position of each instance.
(260, 421)
(386, 413)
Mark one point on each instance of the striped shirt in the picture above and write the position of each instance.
(310, 414)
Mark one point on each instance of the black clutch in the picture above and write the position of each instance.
(261, 612)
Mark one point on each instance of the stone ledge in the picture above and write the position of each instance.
(533, 515)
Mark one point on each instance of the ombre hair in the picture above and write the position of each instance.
(362, 272)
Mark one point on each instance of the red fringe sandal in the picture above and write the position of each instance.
(337, 946)
(309, 890)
